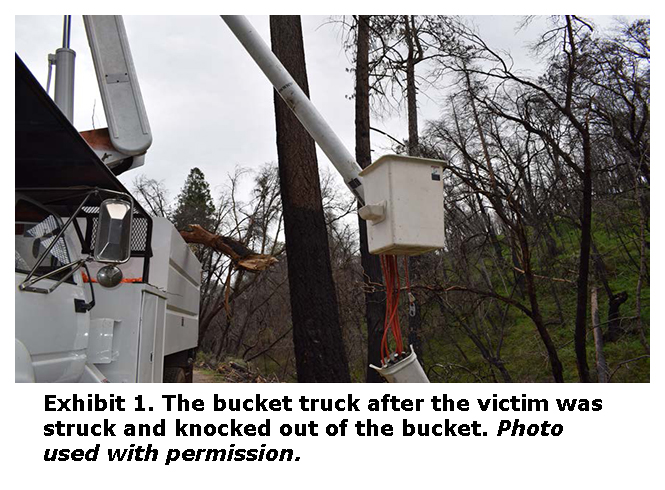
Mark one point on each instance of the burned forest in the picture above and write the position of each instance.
(545, 168)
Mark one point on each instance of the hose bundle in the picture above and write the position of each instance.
(390, 270)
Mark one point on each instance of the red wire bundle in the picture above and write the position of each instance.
(393, 286)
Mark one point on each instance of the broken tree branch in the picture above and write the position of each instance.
(240, 255)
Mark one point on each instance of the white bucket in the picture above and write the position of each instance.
(408, 370)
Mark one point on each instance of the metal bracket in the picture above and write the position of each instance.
(27, 285)
(80, 306)
(374, 213)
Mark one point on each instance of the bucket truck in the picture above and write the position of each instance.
(77, 214)
(104, 292)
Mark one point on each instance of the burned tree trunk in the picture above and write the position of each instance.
(601, 363)
(375, 301)
(414, 56)
(317, 335)
(614, 316)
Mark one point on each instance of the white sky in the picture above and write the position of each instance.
(208, 103)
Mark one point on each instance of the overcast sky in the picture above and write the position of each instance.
(210, 106)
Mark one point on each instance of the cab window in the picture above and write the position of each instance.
(35, 230)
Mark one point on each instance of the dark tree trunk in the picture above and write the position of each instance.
(614, 316)
(536, 316)
(614, 301)
(375, 301)
(415, 318)
(411, 89)
(583, 270)
(317, 335)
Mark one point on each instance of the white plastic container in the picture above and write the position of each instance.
(408, 370)
(404, 205)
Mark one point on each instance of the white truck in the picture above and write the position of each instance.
(71, 213)
(104, 292)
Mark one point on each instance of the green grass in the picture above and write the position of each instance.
(523, 352)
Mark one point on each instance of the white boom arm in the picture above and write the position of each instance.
(129, 130)
(298, 102)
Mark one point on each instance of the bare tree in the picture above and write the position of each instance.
(371, 265)
(153, 195)
(560, 97)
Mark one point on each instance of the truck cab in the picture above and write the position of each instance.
(75, 323)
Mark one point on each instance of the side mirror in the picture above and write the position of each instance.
(112, 245)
